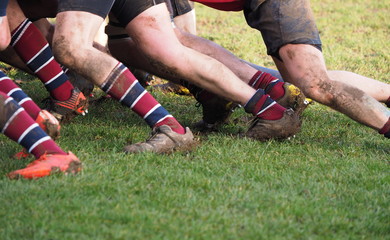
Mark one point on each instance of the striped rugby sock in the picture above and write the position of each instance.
(35, 51)
(271, 85)
(21, 128)
(11, 89)
(262, 106)
(123, 86)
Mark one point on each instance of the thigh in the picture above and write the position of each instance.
(283, 22)
(76, 29)
(153, 33)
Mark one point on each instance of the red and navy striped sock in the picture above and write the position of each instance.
(123, 86)
(11, 89)
(262, 106)
(271, 85)
(35, 51)
(16, 124)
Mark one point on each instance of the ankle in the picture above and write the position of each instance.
(385, 130)
(274, 112)
(173, 124)
(275, 91)
(62, 93)
(262, 106)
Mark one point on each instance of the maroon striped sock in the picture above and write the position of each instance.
(262, 106)
(11, 89)
(271, 85)
(35, 51)
(20, 127)
(123, 86)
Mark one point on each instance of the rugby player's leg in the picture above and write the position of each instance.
(34, 50)
(167, 54)
(76, 51)
(306, 67)
(376, 89)
(5, 36)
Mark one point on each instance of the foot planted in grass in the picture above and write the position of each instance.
(293, 98)
(285, 127)
(48, 164)
(66, 110)
(164, 140)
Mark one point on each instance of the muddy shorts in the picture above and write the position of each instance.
(98, 7)
(121, 10)
(127, 10)
(282, 22)
(3, 8)
(179, 7)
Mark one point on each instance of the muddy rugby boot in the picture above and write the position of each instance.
(49, 124)
(48, 164)
(293, 98)
(263, 130)
(66, 110)
(163, 140)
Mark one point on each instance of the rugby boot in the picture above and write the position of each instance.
(163, 140)
(66, 110)
(49, 124)
(293, 98)
(22, 154)
(216, 110)
(48, 164)
(285, 127)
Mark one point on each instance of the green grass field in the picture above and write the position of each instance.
(331, 181)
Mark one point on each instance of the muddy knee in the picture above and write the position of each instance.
(334, 94)
(64, 52)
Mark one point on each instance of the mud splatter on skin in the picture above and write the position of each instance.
(83, 61)
(290, 54)
(149, 22)
(60, 50)
(331, 93)
(346, 99)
